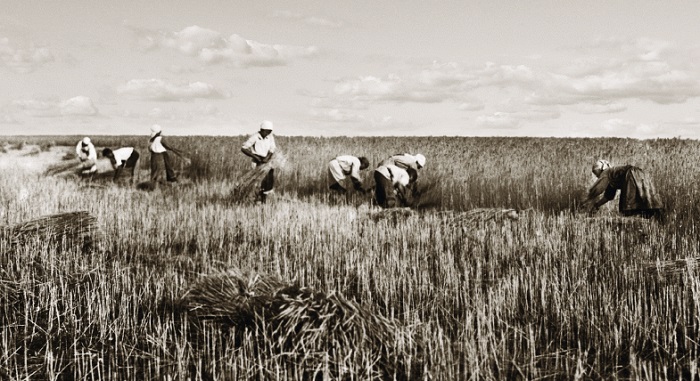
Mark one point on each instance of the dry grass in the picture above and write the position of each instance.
(551, 295)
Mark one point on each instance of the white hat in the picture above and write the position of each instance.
(266, 125)
(600, 166)
(155, 129)
(420, 159)
(86, 140)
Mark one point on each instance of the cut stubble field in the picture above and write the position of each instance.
(185, 282)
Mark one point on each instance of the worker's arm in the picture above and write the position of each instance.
(355, 177)
(247, 149)
(177, 152)
(357, 184)
(600, 187)
(257, 158)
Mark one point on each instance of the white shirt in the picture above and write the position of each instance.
(404, 161)
(397, 175)
(260, 146)
(156, 145)
(345, 165)
(86, 153)
(122, 155)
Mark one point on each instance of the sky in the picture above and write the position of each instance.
(567, 68)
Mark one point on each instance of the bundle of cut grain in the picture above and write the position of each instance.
(302, 325)
(70, 228)
(248, 184)
(231, 297)
(476, 217)
(391, 214)
(671, 269)
(57, 168)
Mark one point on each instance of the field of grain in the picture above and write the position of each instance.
(186, 282)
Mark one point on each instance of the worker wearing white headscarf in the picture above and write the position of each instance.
(405, 161)
(159, 155)
(394, 186)
(87, 155)
(344, 166)
(260, 147)
(638, 195)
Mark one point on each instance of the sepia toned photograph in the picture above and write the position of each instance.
(349, 190)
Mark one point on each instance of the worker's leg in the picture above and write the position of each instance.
(132, 163)
(169, 172)
(267, 185)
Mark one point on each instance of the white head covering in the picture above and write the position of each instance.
(155, 129)
(86, 141)
(420, 159)
(266, 125)
(600, 166)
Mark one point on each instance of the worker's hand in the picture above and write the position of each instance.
(187, 161)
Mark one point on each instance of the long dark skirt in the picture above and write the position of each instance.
(158, 160)
(638, 194)
(384, 191)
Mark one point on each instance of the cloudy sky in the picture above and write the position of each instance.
(330, 67)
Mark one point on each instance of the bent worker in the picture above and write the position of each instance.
(405, 161)
(394, 186)
(87, 155)
(159, 154)
(260, 147)
(638, 196)
(344, 166)
(125, 157)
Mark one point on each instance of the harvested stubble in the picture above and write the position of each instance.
(305, 327)
(248, 185)
(621, 221)
(71, 227)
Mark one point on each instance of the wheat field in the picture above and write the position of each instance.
(497, 274)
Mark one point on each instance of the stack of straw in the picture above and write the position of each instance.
(297, 322)
(70, 228)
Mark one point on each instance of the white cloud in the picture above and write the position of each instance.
(212, 47)
(516, 118)
(336, 115)
(621, 127)
(471, 106)
(76, 106)
(79, 105)
(310, 20)
(38, 108)
(23, 59)
(498, 120)
(438, 82)
(160, 90)
(607, 76)
(601, 108)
